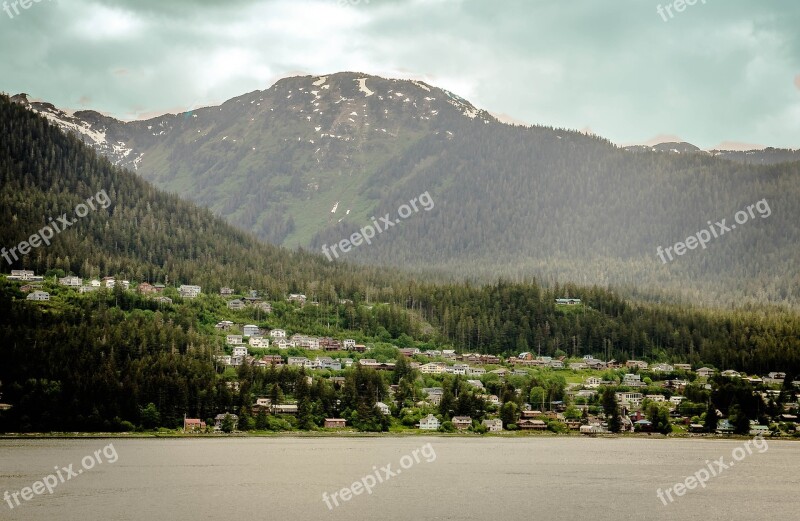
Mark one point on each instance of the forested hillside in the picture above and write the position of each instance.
(90, 361)
(311, 159)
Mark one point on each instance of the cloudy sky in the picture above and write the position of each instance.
(719, 71)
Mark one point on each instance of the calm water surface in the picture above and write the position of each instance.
(511, 479)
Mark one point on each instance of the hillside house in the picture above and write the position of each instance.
(494, 425)
(72, 282)
(251, 330)
(189, 291)
(38, 296)
(461, 423)
(429, 423)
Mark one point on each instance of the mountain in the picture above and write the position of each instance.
(311, 160)
(139, 231)
(97, 361)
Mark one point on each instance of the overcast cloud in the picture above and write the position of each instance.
(723, 71)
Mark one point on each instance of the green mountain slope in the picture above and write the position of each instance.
(311, 160)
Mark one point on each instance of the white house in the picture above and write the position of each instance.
(239, 351)
(260, 342)
(282, 343)
(429, 423)
(188, 291)
(383, 408)
(631, 399)
(234, 340)
(495, 425)
(433, 368)
(705, 372)
(73, 282)
(277, 333)
(662, 368)
(349, 343)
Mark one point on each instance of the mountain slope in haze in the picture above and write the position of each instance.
(144, 234)
(312, 159)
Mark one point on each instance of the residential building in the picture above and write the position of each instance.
(189, 291)
(73, 282)
(277, 333)
(461, 423)
(349, 343)
(219, 418)
(38, 295)
(494, 425)
(632, 380)
(282, 343)
(145, 288)
(298, 361)
(629, 399)
(634, 364)
(259, 342)
(251, 330)
(236, 304)
(335, 423)
(683, 367)
(535, 425)
(429, 423)
(193, 424)
(163, 300)
(433, 368)
(298, 298)
(705, 372)
(383, 408)
(568, 301)
(24, 275)
(226, 292)
(234, 340)
(662, 368)
(476, 384)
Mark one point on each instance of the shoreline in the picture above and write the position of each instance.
(353, 434)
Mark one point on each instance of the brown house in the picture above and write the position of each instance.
(145, 289)
(462, 422)
(535, 425)
(335, 423)
(193, 424)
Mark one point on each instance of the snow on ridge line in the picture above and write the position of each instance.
(320, 81)
(362, 86)
(421, 85)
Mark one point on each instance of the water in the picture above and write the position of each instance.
(452, 478)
